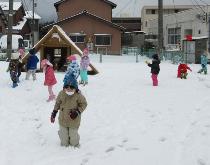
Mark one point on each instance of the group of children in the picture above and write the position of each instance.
(71, 75)
(182, 68)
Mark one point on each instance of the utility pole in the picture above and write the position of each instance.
(160, 26)
(33, 24)
(9, 33)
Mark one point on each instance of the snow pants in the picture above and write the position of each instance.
(84, 76)
(29, 72)
(203, 69)
(68, 136)
(154, 79)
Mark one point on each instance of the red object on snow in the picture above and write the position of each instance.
(182, 68)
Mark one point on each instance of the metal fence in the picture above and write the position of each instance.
(174, 56)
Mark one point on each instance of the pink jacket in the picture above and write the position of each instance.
(49, 76)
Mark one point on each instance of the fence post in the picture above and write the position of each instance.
(100, 58)
(137, 57)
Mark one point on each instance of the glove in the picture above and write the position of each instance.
(53, 115)
(74, 113)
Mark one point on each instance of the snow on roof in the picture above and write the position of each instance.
(29, 15)
(5, 5)
(20, 24)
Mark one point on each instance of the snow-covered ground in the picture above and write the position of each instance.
(127, 121)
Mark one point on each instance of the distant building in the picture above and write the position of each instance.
(178, 26)
(3, 22)
(90, 24)
(151, 12)
(133, 36)
(21, 20)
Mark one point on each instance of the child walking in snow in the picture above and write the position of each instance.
(50, 79)
(155, 69)
(31, 65)
(182, 71)
(72, 72)
(13, 69)
(84, 63)
(204, 62)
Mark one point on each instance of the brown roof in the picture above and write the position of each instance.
(106, 1)
(90, 15)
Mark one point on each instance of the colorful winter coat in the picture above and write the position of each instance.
(49, 76)
(182, 68)
(13, 69)
(65, 104)
(32, 62)
(155, 66)
(84, 63)
(72, 72)
(204, 60)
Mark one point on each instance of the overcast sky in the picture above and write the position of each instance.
(131, 8)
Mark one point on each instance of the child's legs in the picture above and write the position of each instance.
(50, 90)
(154, 79)
(83, 76)
(34, 74)
(74, 136)
(28, 74)
(64, 135)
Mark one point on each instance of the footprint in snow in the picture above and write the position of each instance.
(110, 149)
(201, 162)
(162, 139)
(132, 149)
(84, 161)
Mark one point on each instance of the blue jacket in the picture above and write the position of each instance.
(204, 60)
(32, 62)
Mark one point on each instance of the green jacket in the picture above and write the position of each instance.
(65, 104)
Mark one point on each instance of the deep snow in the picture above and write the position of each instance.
(127, 120)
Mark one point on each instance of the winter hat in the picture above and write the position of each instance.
(85, 52)
(71, 58)
(32, 51)
(155, 56)
(72, 84)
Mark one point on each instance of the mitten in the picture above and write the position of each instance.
(53, 115)
(74, 113)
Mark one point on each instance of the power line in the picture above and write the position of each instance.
(124, 7)
(199, 6)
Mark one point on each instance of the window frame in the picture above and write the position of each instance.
(103, 35)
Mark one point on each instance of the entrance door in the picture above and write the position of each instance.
(189, 51)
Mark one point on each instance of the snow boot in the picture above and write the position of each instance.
(14, 85)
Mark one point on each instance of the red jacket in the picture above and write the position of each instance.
(49, 76)
(182, 68)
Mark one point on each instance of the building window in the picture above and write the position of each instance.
(188, 32)
(78, 38)
(174, 35)
(102, 40)
(176, 11)
(145, 23)
(153, 11)
(57, 52)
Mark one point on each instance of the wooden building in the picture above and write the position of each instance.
(89, 24)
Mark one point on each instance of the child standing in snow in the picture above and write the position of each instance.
(31, 65)
(204, 62)
(72, 72)
(50, 79)
(155, 69)
(13, 70)
(182, 71)
(84, 63)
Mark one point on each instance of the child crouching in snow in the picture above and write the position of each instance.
(84, 63)
(155, 69)
(50, 79)
(182, 71)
